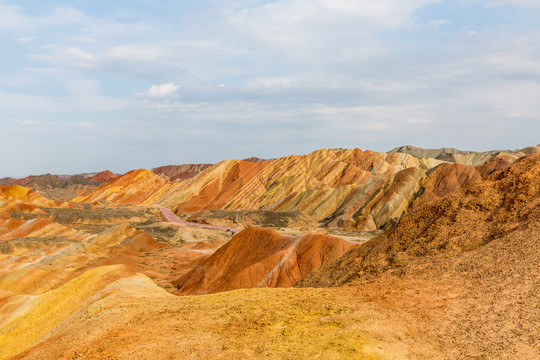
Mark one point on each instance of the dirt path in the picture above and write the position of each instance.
(173, 218)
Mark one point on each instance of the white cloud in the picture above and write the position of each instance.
(269, 82)
(12, 17)
(58, 54)
(25, 39)
(438, 23)
(140, 53)
(159, 91)
(74, 103)
(85, 124)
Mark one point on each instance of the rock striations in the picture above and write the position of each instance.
(341, 188)
(259, 257)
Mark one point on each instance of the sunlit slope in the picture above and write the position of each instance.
(110, 313)
(132, 188)
(12, 194)
(318, 184)
(41, 316)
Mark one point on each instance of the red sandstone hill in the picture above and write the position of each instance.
(104, 176)
(180, 172)
(258, 257)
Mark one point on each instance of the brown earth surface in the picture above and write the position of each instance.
(110, 313)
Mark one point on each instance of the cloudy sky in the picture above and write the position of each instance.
(93, 85)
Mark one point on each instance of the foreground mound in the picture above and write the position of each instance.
(261, 258)
(111, 313)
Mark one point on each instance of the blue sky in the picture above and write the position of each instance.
(93, 85)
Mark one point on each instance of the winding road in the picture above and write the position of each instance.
(173, 218)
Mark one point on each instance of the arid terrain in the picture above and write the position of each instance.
(337, 254)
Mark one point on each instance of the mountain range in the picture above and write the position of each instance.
(337, 254)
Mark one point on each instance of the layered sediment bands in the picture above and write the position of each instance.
(133, 187)
(49, 310)
(180, 172)
(44, 263)
(317, 184)
(38, 227)
(29, 197)
(343, 188)
(259, 257)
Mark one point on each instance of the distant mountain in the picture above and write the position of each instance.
(61, 187)
(36, 182)
(459, 156)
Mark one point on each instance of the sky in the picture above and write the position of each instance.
(92, 85)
